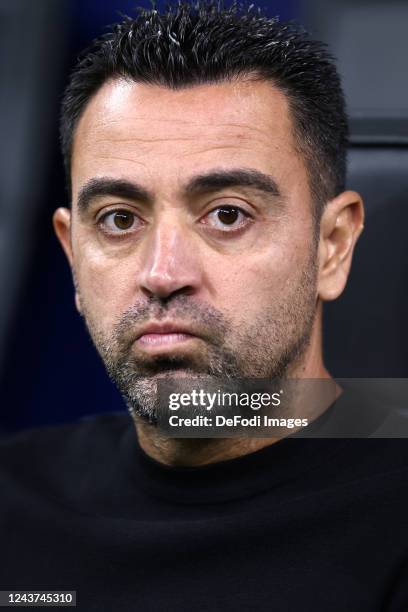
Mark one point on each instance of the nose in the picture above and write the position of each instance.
(170, 262)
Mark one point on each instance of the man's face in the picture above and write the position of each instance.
(192, 233)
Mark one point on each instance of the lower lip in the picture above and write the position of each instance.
(168, 339)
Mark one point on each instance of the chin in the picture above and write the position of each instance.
(177, 373)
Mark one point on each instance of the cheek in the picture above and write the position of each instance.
(105, 286)
(252, 283)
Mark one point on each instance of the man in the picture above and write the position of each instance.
(205, 150)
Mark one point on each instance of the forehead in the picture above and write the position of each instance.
(160, 134)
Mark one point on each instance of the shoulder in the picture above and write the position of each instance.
(104, 426)
(58, 451)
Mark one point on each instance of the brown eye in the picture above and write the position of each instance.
(123, 220)
(228, 216)
(119, 221)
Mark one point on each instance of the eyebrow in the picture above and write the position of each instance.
(99, 187)
(200, 184)
(240, 177)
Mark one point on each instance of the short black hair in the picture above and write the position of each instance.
(192, 43)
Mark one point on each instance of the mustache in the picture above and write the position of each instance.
(204, 320)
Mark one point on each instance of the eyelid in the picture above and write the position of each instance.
(112, 208)
(230, 230)
(230, 202)
(100, 222)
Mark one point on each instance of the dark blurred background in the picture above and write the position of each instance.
(49, 370)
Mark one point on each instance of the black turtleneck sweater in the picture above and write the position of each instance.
(302, 525)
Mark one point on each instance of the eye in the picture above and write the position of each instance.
(226, 218)
(119, 221)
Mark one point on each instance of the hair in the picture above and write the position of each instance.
(202, 43)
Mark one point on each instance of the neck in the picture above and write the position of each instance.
(200, 451)
(192, 452)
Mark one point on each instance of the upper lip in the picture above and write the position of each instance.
(166, 328)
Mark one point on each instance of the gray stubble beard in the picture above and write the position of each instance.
(270, 347)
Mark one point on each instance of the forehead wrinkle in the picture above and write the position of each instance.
(212, 142)
(119, 158)
(245, 126)
(221, 147)
(140, 139)
(201, 126)
(239, 142)
(196, 125)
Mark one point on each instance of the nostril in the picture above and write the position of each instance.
(187, 290)
(166, 294)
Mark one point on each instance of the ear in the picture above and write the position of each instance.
(62, 226)
(341, 225)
